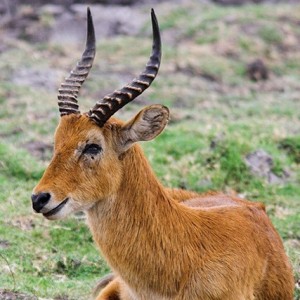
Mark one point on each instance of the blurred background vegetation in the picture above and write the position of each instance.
(230, 75)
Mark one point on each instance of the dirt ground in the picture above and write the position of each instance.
(9, 295)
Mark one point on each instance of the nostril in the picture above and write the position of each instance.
(39, 200)
(40, 197)
(34, 197)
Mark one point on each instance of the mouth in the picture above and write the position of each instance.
(56, 209)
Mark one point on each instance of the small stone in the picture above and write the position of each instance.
(257, 70)
(4, 244)
(260, 163)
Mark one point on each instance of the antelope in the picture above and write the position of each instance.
(161, 244)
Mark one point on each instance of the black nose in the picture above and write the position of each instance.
(39, 200)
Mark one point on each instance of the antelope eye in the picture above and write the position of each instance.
(92, 149)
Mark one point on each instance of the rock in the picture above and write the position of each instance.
(260, 164)
(274, 179)
(257, 70)
(4, 244)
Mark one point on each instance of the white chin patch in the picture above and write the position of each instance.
(69, 207)
(61, 213)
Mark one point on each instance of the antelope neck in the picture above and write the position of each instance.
(135, 228)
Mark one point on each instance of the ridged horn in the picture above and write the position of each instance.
(111, 103)
(69, 89)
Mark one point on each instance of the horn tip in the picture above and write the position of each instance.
(91, 39)
(153, 16)
(156, 33)
(89, 15)
(154, 22)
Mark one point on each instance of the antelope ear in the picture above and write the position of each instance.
(145, 126)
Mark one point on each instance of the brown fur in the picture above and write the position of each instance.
(188, 198)
(211, 248)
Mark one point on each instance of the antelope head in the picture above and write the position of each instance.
(88, 147)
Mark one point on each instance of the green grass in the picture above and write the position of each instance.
(218, 116)
(292, 146)
(270, 34)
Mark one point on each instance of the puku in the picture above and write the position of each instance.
(162, 244)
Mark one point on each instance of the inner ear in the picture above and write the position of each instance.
(145, 126)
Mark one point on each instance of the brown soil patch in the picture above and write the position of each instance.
(10, 295)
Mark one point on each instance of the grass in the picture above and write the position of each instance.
(218, 116)
(292, 146)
